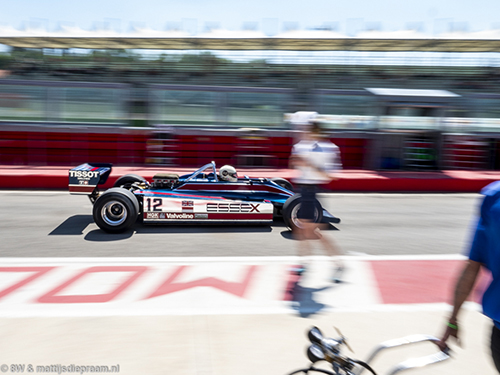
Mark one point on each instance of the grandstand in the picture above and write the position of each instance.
(213, 82)
(312, 58)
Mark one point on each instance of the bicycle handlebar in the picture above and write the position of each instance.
(413, 362)
(329, 350)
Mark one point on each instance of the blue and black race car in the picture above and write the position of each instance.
(201, 197)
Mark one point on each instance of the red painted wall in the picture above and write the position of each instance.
(54, 148)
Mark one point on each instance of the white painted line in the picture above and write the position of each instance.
(413, 257)
(238, 260)
(282, 308)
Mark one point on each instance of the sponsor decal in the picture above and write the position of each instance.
(187, 206)
(179, 216)
(201, 216)
(169, 216)
(233, 207)
(84, 174)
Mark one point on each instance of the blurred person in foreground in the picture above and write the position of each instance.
(316, 159)
(484, 252)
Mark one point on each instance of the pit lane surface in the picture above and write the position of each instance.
(56, 224)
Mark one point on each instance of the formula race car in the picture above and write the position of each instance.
(201, 197)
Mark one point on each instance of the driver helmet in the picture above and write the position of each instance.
(228, 173)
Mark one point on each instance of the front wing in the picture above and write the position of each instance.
(170, 208)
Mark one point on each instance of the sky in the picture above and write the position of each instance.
(271, 17)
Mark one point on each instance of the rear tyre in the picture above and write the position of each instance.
(291, 209)
(127, 180)
(115, 210)
(283, 183)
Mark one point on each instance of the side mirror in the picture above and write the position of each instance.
(315, 354)
(315, 335)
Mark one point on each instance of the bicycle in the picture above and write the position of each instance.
(330, 350)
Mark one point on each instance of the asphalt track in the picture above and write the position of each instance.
(56, 224)
(59, 228)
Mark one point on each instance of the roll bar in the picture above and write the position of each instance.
(198, 171)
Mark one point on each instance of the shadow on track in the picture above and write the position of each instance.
(73, 226)
(288, 234)
(99, 235)
(211, 228)
(303, 300)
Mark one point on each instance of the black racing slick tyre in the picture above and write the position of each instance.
(127, 180)
(283, 183)
(291, 209)
(115, 210)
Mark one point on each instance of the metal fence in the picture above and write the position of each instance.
(217, 105)
(63, 102)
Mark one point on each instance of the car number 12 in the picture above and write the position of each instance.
(155, 203)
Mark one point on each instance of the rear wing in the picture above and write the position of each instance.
(85, 178)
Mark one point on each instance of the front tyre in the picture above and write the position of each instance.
(115, 210)
(291, 209)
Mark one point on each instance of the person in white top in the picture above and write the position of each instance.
(319, 159)
(316, 160)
